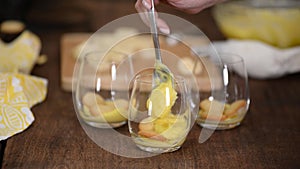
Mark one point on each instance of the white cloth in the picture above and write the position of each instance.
(262, 60)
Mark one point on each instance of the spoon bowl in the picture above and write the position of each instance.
(161, 73)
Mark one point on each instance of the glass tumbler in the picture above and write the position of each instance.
(230, 112)
(95, 101)
(159, 117)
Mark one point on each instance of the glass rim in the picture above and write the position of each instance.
(230, 58)
(101, 54)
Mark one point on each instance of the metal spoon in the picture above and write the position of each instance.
(161, 72)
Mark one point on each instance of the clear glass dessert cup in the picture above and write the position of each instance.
(95, 101)
(227, 113)
(159, 117)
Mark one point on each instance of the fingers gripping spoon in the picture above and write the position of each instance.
(161, 71)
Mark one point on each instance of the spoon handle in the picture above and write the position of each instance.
(154, 32)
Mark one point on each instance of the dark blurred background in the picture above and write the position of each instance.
(83, 15)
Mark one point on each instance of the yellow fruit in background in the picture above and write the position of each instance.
(277, 26)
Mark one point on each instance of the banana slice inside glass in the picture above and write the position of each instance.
(97, 109)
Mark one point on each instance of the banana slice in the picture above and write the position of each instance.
(146, 124)
(97, 109)
(90, 99)
(103, 114)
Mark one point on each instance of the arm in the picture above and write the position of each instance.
(188, 6)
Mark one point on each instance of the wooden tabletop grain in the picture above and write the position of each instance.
(269, 136)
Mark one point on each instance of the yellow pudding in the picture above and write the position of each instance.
(163, 128)
(163, 132)
(161, 100)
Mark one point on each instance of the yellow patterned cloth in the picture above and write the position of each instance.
(21, 54)
(18, 93)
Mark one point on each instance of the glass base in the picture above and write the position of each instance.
(105, 125)
(158, 150)
(220, 126)
(155, 146)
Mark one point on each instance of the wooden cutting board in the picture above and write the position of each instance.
(70, 41)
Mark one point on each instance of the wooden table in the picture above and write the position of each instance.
(269, 136)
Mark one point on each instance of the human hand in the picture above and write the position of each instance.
(188, 6)
(143, 7)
